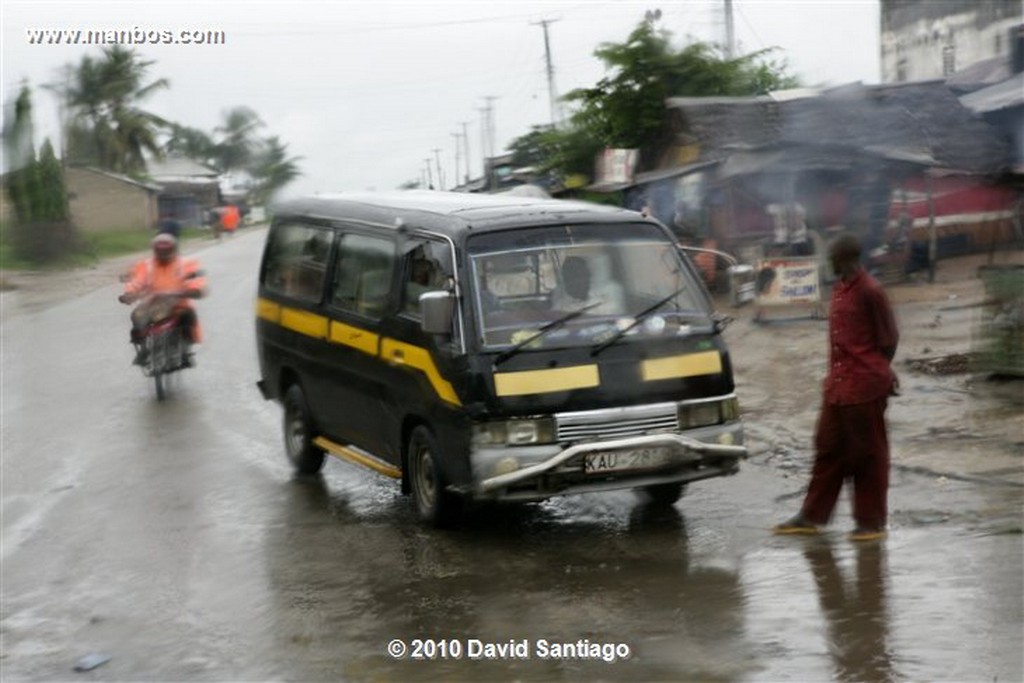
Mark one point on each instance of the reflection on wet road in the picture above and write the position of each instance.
(855, 611)
(625, 575)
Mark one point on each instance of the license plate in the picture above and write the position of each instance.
(629, 459)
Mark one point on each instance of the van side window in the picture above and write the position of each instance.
(427, 268)
(362, 275)
(296, 262)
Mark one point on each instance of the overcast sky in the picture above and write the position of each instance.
(365, 92)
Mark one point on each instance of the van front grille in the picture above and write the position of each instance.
(617, 422)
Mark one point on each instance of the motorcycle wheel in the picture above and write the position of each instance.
(158, 363)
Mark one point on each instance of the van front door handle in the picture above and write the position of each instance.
(397, 357)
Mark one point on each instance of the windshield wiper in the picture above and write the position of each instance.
(637, 319)
(542, 330)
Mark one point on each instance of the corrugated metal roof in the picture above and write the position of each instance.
(1009, 93)
(925, 118)
(179, 168)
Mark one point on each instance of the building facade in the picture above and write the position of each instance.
(102, 201)
(931, 39)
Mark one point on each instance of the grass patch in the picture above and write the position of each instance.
(96, 246)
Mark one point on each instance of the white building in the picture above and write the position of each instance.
(927, 39)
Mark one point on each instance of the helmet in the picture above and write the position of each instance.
(164, 247)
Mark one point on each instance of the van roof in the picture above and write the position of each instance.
(436, 210)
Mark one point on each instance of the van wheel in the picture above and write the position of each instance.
(305, 457)
(434, 504)
(662, 495)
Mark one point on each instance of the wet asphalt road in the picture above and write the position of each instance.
(173, 538)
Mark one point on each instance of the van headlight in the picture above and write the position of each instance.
(514, 432)
(707, 413)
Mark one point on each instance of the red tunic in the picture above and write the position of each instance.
(861, 327)
(850, 439)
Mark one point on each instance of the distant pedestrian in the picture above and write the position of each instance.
(851, 440)
(229, 218)
(169, 225)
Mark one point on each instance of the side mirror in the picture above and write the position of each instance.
(721, 321)
(437, 309)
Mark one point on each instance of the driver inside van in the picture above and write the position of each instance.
(580, 287)
(425, 275)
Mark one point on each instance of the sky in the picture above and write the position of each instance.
(372, 94)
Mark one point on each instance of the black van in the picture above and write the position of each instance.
(493, 348)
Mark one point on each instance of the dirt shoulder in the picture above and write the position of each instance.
(30, 291)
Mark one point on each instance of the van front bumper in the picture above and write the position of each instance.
(539, 472)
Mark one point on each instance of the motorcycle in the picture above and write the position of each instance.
(161, 346)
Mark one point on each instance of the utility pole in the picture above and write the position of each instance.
(730, 35)
(465, 140)
(489, 120)
(457, 150)
(430, 178)
(483, 145)
(437, 160)
(556, 110)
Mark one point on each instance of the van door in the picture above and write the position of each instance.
(358, 298)
(293, 327)
(422, 383)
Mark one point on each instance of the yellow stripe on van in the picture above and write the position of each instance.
(268, 310)
(364, 459)
(686, 365)
(357, 338)
(304, 322)
(546, 381)
(400, 353)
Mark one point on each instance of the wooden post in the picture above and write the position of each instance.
(933, 239)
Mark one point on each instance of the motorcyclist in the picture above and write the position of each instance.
(168, 274)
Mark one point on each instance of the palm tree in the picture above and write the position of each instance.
(191, 143)
(107, 127)
(272, 169)
(237, 142)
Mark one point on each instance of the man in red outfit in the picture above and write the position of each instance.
(850, 440)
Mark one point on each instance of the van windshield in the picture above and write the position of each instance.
(598, 278)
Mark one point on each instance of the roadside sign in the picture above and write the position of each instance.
(788, 281)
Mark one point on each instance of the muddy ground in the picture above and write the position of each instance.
(949, 419)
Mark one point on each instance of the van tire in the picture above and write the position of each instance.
(304, 456)
(662, 495)
(434, 504)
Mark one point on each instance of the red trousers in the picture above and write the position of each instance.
(850, 443)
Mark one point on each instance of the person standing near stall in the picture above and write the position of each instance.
(851, 441)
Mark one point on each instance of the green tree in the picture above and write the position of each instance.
(271, 169)
(191, 143)
(107, 126)
(626, 108)
(43, 231)
(236, 139)
(559, 152)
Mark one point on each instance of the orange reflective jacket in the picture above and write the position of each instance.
(149, 276)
